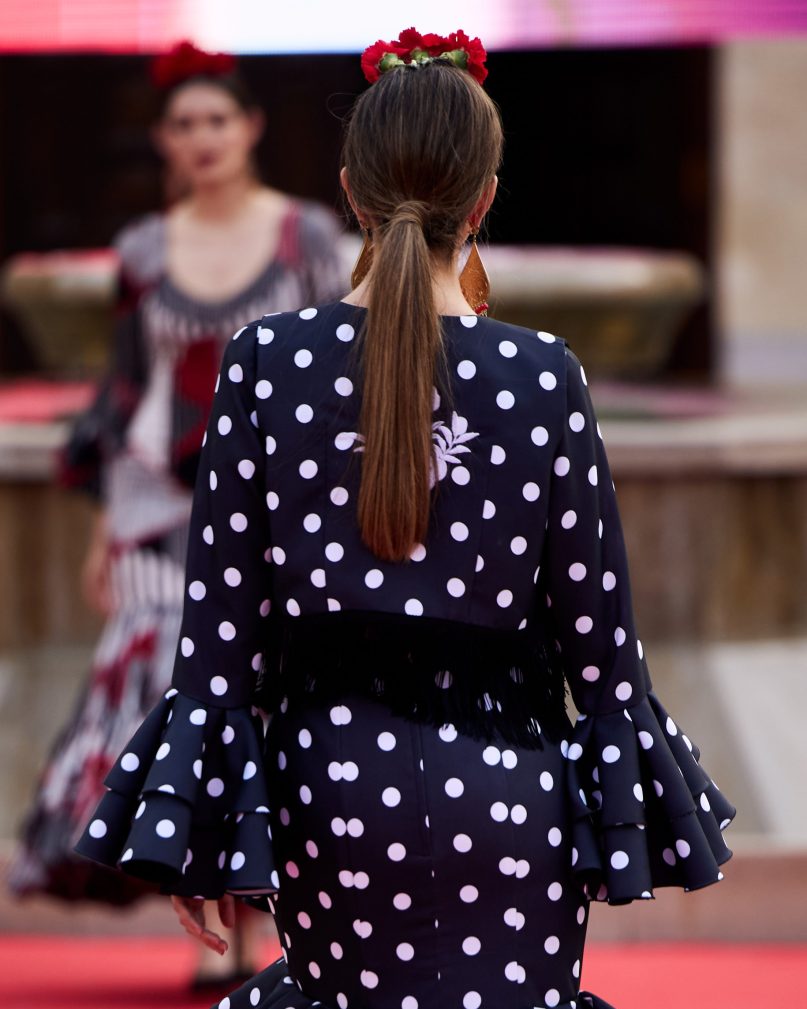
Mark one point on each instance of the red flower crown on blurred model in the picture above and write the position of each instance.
(413, 49)
(184, 61)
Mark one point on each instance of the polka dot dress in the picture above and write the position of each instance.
(409, 862)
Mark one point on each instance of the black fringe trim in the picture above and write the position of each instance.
(490, 684)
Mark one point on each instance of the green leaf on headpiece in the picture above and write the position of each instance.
(389, 61)
(459, 57)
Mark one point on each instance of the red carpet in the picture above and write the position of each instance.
(57, 972)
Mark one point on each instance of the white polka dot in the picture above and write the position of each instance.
(207, 535)
(198, 716)
(418, 552)
(232, 576)
(577, 421)
(226, 631)
(271, 445)
(318, 578)
(546, 780)
(237, 861)
(504, 598)
(623, 691)
(447, 733)
(497, 455)
(410, 1002)
(304, 413)
(404, 951)
(238, 522)
(308, 313)
(547, 380)
(593, 479)
(488, 510)
(514, 918)
(278, 555)
(263, 390)
(304, 738)
(391, 797)
(306, 797)
(454, 788)
(462, 843)
(576, 750)
(552, 944)
(165, 828)
(236, 373)
(413, 607)
(340, 714)
(343, 386)
(518, 545)
(469, 321)
(608, 580)
(561, 466)
(552, 997)
(509, 759)
(374, 579)
(554, 836)
(215, 787)
(187, 646)
(255, 996)
(345, 332)
(518, 814)
(97, 829)
(369, 979)
(345, 440)
(218, 686)
(225, 425)
(336, 951)
(456, 587)
(459, 531)
(531, 491)
(468, 894)
(466, 369)
(308, 469)
(577, 572)
(505, 400)
(554, 891)
(303, 358)
(402, 901)
(645, 740)
(671, 727)
(669, 856)
(705, 804)
(386, 741)
(338, 826)
(312, 523)
(539, 435)
(355, 828)
(499, 812)
(339, 496)
(507, 348)
(334, 552)
(638, 791)
(491, 755)
(682, 847)
(265, 335)
(619, 637)
(639, 649)
(620, 860)
(583, 625)
(213, 480)
(546, 337)
(611, 754)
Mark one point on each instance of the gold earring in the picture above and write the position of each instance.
(474, 279)
(364, 262)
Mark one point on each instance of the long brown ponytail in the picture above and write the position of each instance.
(421, 146)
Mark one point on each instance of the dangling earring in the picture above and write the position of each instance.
(474, 279)
(364, 262)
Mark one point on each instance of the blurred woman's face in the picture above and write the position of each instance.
(206, 136)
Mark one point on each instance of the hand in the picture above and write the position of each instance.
(191, 914)
(95, 572)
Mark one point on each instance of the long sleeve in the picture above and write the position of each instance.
(187, 803)
(647, 814)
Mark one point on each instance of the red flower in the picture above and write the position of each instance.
(411, 41)
(184, 61)
(475, 50)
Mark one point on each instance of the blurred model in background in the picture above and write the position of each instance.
(228, 250)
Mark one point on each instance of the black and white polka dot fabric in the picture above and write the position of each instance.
(409, 864)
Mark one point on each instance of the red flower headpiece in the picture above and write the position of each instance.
(184, 61)
(413, 49)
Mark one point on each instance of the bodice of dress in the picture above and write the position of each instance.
(520, 584)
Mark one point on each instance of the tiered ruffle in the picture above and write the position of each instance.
(185, 811)
(645, 812)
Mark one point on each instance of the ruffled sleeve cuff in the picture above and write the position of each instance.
(645, 813)
(187, 806)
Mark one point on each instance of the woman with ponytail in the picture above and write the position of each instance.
(404, 545)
